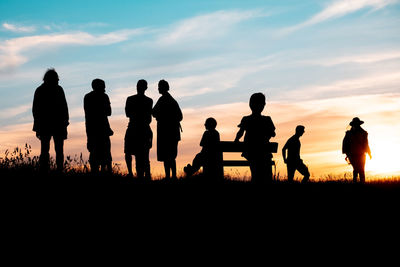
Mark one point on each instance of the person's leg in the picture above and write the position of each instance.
(139, 164)
(94, 165)
(59, 148)
(354, 163)
(128, 160)
(253, 171)
(362, 169)
(173, 168)
(44, 153)
(107, 158)
(290, 171)
(303, 169)
(198, 161)
(258, 172)
(146, 164)
(167, 168)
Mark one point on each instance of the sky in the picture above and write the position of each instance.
(320, 63)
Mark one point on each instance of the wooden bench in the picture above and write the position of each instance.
(230, 146)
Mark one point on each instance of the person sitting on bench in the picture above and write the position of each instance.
(210, 157)
(259, 130)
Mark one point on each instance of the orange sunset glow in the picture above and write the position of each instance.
(319, 64)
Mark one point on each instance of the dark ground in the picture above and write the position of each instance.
(73, 214)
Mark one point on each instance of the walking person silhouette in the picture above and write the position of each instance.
(139, 137)
(293, 160)
(355, 146)
(51, 119)
(168, 115)
(258, 129)
(97, 108)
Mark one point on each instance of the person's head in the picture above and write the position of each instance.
(98, 85)
(210, 124)
(163, 86)
(356, 122)
(300, 130)
(141, 86)
(257, 103)
(51, 76)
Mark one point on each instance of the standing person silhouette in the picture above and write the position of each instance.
(355, 146)
(293, 160)
(50, 115)
(139, 137)
(259, 129)
(97, 108)
(168, 116)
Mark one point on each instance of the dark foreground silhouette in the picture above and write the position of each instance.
(97, 108)
(139, 136)
(168, 115)
(355, 146)
(51, 118)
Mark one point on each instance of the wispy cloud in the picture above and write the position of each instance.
(12, 50)
(206, 26)
(18, 29)
(357, 58)
(340, 8)
(367, 84)
(14, 111)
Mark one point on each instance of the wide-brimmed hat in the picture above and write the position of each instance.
(356, 121)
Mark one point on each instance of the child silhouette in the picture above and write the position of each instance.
(210, 157)
(258, 131)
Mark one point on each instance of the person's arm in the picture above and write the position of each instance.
(64, 108)
(272, 128)
(36, 113)
(179, 115)
(367, 146)
(156, 110)
(107, 108)
(149, 118)
(239, 134)
(284, 152)
(242, 128)
(127, 108)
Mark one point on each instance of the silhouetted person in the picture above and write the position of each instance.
(210, 157)
(168, 116)
(293, 160)
(97, 109)
(139, 137)
(50, 114)
(259, 129)
(355, 146)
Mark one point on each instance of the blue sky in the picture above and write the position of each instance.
(213, 53)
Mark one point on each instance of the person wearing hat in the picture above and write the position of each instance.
(355, 146)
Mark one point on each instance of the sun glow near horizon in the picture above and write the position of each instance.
(385, 158)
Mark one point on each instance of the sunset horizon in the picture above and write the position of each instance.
(319, 64)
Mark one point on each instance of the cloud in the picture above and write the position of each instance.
(340, 8)
(14, 111)
(358, 58)
(12, 50)
(371, 83)
(206, 26)
(19, 29)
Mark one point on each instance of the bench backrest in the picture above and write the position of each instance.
(230, 146)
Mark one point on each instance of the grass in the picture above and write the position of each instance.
(18, 168)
